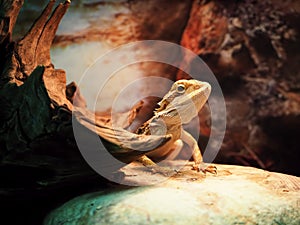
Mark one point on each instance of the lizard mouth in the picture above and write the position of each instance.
(202, 89)
(200, 94)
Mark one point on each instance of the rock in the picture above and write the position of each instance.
(237, 195)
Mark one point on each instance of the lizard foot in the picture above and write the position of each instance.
(202, 167)
(154, 168)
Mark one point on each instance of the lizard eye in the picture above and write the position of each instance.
(180, 88)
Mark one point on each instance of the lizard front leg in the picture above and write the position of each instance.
(170, 150)
(154, 168)
(197, 156)
(146, 161)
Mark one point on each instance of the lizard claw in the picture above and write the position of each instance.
(202, 167)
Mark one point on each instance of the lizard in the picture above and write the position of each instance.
(161, 134)
(179, 106)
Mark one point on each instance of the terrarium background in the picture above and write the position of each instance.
(251, 46)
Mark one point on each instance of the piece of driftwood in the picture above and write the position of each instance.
(35, 127)
(37, 105)
(30, 94)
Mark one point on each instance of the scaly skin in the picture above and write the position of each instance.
(161, 136)
(179, 106)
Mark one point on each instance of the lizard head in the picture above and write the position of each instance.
(185, 99)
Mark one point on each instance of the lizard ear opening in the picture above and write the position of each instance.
(180, 88)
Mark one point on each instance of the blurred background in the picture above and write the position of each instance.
(252, 47)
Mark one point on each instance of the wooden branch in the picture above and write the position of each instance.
(38, 91)
(9, 10)
(34, 48)
(41, 109)
(49, 31)
(31, 40)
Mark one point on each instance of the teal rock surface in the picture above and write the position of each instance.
(236, 195)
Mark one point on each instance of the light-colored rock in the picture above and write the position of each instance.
(236, 195)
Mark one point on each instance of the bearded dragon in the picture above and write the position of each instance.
(161, 134)
(179, 106)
